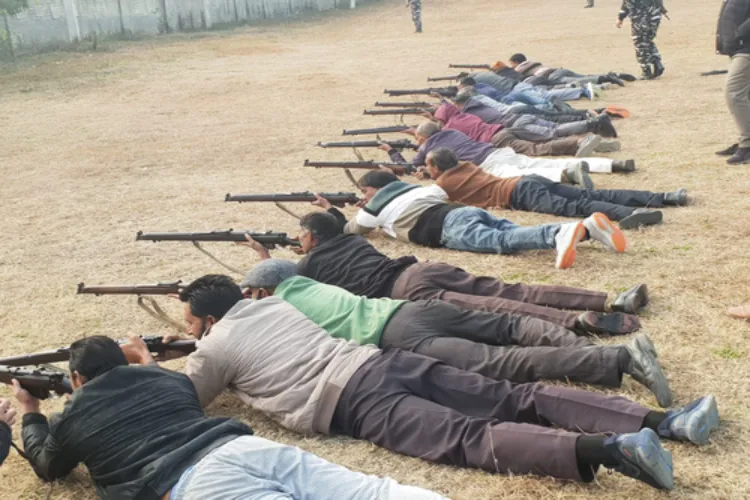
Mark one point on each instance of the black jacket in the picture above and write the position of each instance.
(350, 262)
(137, 428)
(4, 441)
(733, 31)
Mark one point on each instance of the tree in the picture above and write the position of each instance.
(12, 6)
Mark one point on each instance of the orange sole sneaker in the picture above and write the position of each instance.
(610, 234)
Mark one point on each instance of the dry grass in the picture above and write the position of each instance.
(151, 135)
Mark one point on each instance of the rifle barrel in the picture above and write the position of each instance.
(229, 235)
(155, 289)
(400, 144)
(39, 382)
(335, 198)
(411, 104)
(377, 130)
(470, 66)
(395, 111)
(443, 78)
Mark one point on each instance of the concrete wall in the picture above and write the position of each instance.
(49, 24)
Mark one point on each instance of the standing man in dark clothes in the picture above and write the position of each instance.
(645, 16)
(142, 434)
(733, 40)
(7, 419)
(350, 262)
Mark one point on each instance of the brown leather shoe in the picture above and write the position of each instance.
(740, 312)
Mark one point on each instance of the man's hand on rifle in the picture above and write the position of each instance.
(422, 173)
(427, 114)
(259, 248)
(384, 146)
(321, 202)
(618, 24)
(29, 404)
(136, 351)
(7, 412)
(410, 131)
(170, 354)
(436, 95)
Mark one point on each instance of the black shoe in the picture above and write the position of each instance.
(625, 76)
(613, 78)
(612, 324)
(729, 151)
(677, 198)
(658, 69)
(623, 166)
(647, 74)
(641, 217)
(604, 127)
(740, 157)
(630, 301)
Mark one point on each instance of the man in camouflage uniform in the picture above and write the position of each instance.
(416, 13)
(645, 16)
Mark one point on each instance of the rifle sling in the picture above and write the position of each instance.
(153, 309)
(211, 256)
(284, 208)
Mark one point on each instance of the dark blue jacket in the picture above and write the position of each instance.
(733, 30)
(4, 441)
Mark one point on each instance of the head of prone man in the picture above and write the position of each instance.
(262, 280)
(439, 160)
(93, 356)
(207, 300)
(425, 131)
(516, 59)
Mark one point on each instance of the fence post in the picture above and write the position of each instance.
(71, 19)
(10, 36)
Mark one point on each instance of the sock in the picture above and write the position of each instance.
(590, 453)
(654, 419)
(623, 360)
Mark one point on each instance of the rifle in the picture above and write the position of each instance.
(268, 239)
(154, 343)
(394, 111)
(157, 289)
(146, 303)
(413, 104)
(397, 168)
(400, 144)
(443, 91)
(470, 66)
(39, 382)
(444, 78)
(377, 130)
(337, 199)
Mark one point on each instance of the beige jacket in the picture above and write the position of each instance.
(278, 361)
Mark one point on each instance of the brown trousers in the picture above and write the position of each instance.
(436, 280)
(567, 146)
(501, 346)
(424, 408)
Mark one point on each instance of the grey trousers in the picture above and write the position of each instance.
(501, 346)
(738, 95)
(437, 280)
(424, 408)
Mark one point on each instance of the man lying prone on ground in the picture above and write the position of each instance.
(349, 261)
(280, 362)
(422, 215)
(142, 434)
(464, 182)
(500, 346)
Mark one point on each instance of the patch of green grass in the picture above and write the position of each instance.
(728, 353)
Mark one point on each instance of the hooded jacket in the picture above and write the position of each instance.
(533, 68)
(733, 30)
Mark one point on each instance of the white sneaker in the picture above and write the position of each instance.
(565, 243)
(602, 229)
(591, 92)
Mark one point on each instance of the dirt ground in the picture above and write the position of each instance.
(150, 136)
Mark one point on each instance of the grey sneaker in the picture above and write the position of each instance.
(646, 370)
(641, 456)
(692, 423)
(631, 300)
(608, 146)
(579, 174)
(641, 217)
(588, 145)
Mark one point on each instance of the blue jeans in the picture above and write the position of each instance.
(253, 468)
(476, 230)
(524, 98)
